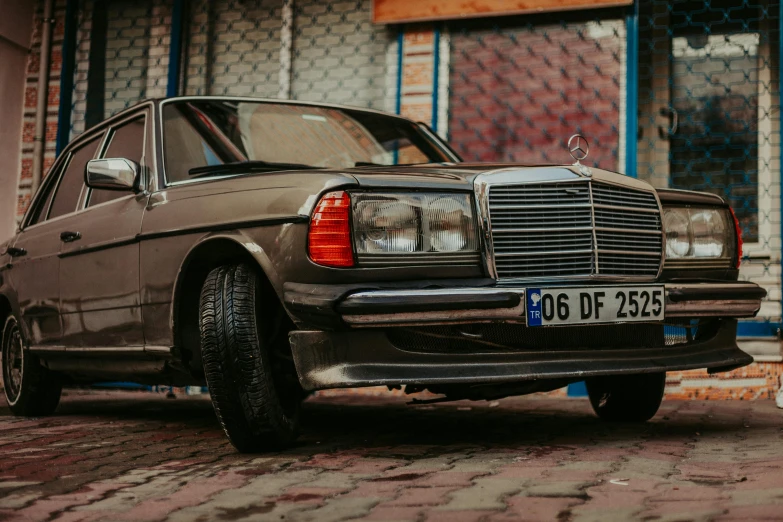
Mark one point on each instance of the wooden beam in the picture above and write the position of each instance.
(399, 11)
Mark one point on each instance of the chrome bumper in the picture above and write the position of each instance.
(415, 307)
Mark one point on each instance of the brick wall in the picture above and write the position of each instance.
(234, 48)
(519, 92)
(418, 77)
(339, 56)
(31, 100)
(137, 52)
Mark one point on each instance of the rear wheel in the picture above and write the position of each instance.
(247, 361)
(629, 398)
(30, 389)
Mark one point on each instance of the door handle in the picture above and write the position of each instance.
(16, 252)
(69, 237)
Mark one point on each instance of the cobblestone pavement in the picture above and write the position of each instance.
(133, 456)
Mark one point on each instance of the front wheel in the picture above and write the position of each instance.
(627, 398)
(30, 389)
(254, 395)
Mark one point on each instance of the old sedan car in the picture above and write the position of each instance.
(269, 249)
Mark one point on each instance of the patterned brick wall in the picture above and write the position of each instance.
(519, 92)
(418, 79)
(137, 52)
(82, 67)
(339, 56)
(234, 48)
(31, 100)
(760, 380)
(136, 68)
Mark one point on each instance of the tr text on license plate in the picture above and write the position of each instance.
(610, 304)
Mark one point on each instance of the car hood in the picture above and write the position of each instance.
(461, 176)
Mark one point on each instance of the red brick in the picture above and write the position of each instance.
(422, 496)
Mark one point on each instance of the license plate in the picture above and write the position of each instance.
(620, 304)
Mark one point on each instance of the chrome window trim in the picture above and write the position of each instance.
(546, 175)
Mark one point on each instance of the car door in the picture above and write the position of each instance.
(99, 263)
(34, 270)
(34, 265)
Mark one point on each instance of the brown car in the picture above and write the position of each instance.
(269, 249)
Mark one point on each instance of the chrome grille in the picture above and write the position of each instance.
(572, 229)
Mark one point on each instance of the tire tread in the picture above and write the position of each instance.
(236, 362)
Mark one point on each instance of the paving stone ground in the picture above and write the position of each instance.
(123, 456)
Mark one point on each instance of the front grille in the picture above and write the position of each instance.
(500, 338)
(574, 229)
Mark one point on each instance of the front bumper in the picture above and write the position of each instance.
(334, 307)
(369, 358)
(358, 341)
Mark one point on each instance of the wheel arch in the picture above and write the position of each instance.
(210, 252)
(5, 310)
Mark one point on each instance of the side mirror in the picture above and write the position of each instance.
(113, 174)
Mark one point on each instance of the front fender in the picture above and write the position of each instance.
(249, 245)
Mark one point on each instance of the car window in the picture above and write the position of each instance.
(72, 181)
(205, 133)
(127, 141)
(44, 201)
(185, 147)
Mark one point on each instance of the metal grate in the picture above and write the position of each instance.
(709, 117)
(519, 86)
(574, 229)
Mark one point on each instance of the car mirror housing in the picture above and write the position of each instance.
(113, 174)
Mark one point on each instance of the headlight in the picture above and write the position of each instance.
(678, 237)
(698, 233)
(413, 223)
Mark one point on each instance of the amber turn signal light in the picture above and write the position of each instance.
(329, 238)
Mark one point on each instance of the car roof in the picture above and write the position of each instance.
(162, 101)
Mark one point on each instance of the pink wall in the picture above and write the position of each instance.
(15, 30)
(519, 93)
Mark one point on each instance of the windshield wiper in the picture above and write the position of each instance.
(360, 164)
(368, 164)
(245, 166)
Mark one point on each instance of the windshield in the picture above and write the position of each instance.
(203, 133)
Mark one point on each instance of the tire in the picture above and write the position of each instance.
(627, 398)
(254, 397)
(31, 390)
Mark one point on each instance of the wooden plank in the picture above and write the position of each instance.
(398, 11)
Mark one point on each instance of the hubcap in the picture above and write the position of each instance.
(12, 362)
